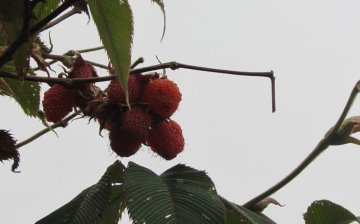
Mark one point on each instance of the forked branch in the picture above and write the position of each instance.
(322, 145)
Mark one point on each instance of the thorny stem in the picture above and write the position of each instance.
(23, 36)
(322, 145)
(61, 18)
(63, 123)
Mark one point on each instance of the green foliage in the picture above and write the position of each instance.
(117, 204)
(162, 7)
(44, 8)
(327, 212)
(248, 217)
(11, 15)
(89, 205)
(26, 93)
(114, 22)
(179, 195)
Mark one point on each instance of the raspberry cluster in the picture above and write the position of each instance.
(153, 100)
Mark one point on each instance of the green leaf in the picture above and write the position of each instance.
(12, 17)
(327, 212)
(89, 205)
(247, 217)
(160, 3)
(44, 8)
(26, 93)
(114, 22)
(117, 205)
(179, 195)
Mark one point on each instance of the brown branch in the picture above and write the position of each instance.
(23, 36)
(321, 147)
(63, 123)
(61, 18)
(175, 65)
(172, 65)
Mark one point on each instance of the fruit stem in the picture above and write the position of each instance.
(63, 123)
(321, 147)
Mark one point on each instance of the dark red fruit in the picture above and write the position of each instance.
(82, 69)
(8, 149)
(116, 93)
(163, 96)
(58, 102)
(124, 143)
(136, 120)
(166, 139)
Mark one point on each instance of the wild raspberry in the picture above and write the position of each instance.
(166, 139)
(82, 69)
(116, 93)
(58, 102)
(8, 149)
(136, 120)
(163, 97)
(124, 143)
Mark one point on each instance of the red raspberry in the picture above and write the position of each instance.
(166, 139)
(8, 149)
(116, 93)
(136, 120)
(82, 69)
(58, 102)
(124, 143)
(163, 96)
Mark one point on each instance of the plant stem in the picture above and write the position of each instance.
(23, 36)
(322, 146)
(230, 205)
(175, 65)
(61, 18)
(63, 123)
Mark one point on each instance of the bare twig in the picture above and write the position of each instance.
(61, 18)
(23, 36)
(322, 145)
(91, 49)
(67, 54)
(137, 62)
(63, 123)
(175, 65)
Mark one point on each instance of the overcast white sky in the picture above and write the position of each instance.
(312, 46)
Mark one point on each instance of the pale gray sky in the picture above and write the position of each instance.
(312, 46)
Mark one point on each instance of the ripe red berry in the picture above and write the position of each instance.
(82, 69)
(163, 96)
(124, 143)
(166, 139)
(136, 120)
(58, 102)
(116, 93)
